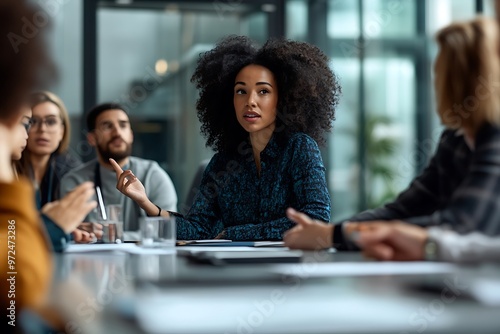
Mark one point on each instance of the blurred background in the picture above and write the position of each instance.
(143, 53)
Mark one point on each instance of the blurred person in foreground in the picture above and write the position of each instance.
(26, 277)
(457, 196)
(21, 232)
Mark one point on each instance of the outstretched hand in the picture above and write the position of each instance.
(82, 237)
(128, 184)
(392, 241)
(87, 232)
(308, 234)
(69, 211)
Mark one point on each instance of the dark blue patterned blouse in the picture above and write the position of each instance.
(232, 197)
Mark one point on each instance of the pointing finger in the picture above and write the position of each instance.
(116, 167)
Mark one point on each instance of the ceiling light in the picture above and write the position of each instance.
(161, 66)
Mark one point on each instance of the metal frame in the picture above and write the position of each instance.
(424, 112)
(479, 6)
(276, 28)
(90, 84)
(418, 49)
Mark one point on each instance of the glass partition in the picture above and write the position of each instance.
(386, 115)
(146, 59)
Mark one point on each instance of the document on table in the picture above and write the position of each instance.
(229, 243)
(197, 249)
(314, 269)
(126, 248)
(202, 242)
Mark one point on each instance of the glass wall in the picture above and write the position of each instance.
(65, 39)
(146, 57)
(386, 127)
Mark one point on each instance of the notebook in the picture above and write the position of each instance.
(225, 258)
(229, 243)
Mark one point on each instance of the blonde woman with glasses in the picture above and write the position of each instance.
(44, 161)
(46, 158)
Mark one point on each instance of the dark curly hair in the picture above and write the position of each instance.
(308, 90)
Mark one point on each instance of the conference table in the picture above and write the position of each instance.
(327, 292)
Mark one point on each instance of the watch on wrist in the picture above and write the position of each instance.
(431, 250)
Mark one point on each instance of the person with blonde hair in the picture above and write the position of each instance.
(46, 158)
(458, 193)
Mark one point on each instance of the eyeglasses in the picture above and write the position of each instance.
(51, 123)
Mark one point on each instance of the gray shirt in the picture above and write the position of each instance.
(472, 247)
(159, 188)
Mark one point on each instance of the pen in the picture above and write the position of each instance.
(101, 203)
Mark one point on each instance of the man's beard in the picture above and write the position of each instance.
(107, 154)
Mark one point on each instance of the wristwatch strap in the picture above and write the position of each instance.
(431, 249)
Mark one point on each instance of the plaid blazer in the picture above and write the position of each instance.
(459, 188)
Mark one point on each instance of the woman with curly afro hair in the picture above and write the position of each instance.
(262, 110)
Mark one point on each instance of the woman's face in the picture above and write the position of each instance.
(255, 98)
(20, 134)
(47, 129)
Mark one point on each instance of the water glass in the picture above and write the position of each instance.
(112, 227)
(157, 232)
